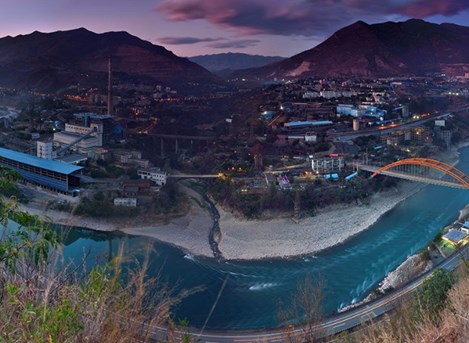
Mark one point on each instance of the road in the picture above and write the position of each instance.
(330, 326)
(346, 136)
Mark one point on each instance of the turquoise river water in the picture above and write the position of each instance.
(253, 289)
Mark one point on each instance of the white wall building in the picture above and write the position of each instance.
(327, 164)
(83, 130)
(311, 136)
(45, 150)
(64, 138)
(127, 202)
(156, 175)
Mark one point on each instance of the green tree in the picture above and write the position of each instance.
(433, 295)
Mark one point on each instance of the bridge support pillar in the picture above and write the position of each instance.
(176, 146)
(162, 147)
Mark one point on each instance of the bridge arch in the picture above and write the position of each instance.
(455, 173)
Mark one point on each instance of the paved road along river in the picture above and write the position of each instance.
(249, 292)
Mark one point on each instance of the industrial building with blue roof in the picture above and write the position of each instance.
(58, 176)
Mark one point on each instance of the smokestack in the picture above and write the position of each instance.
(109, 86)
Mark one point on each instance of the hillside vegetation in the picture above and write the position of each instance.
(44, 299)
(439, 313)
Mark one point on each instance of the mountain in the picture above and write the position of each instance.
(413, 47)
(233, 61)
(53, 61)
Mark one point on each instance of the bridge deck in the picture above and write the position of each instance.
(432, 181)
(195, 176)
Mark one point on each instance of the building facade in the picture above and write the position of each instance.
(126, 202)
(327, 165)
(156, 175)
(52, 175)
(45, 150)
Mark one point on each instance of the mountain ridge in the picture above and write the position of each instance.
(61, 59)
(233, 61)
(413, 47)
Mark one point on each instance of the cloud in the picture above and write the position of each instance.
(234, 44)
(219, 42)
(245, 16)
(301, 17)
(185, 40)
(427, 8)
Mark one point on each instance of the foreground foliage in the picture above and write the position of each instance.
(438, 313)
(44, 300)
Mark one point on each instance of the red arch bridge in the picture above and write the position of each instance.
(422, 170)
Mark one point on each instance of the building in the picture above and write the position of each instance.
(455, 237)
(465, 227)
(105, 120)
(53, 175)
(79, 137)
(155, 174)
(360, 111)
(131, 157)
(136, 188)
(327, 165)
(127, 202)
(311, 137)
(305, 124)
(89, 131)
(45, 150)
(345, 109)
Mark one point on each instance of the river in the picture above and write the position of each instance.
(253, 289)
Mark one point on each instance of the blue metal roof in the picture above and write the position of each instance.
(59, 167)
(455, 235)
(308, 123)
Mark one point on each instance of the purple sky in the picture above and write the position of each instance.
(193, 27)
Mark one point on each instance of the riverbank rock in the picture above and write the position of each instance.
(407, 271)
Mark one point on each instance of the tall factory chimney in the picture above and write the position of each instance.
(109, 86)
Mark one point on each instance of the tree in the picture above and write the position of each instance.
(306, 304)
(44, 300)
(432, 296)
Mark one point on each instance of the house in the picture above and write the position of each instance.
(155, 174)
(127, 202)
(455, 237)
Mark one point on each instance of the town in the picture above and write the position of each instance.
(290, 146)
(234, 171)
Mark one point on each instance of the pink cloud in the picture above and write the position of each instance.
(245, 16)
(304, 17)
(427, 8)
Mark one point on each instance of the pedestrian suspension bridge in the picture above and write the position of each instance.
(422, 170)
(195, 176)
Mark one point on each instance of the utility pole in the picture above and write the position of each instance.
(109, 86)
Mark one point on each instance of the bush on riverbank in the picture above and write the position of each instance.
(103, 209)
(315, 196)
(167, 200)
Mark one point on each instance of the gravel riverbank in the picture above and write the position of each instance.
(255, 239)
(243, 239)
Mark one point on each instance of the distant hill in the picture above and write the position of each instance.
(53, 61)
(230, 61)
(413, 47)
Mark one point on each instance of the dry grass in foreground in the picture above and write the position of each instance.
(438, 314)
